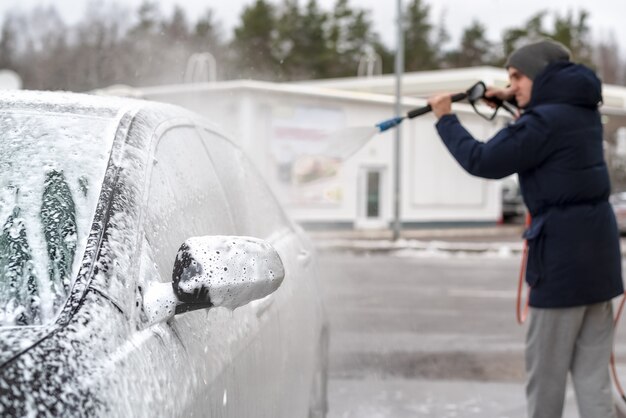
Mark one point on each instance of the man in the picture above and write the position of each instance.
(574, 262)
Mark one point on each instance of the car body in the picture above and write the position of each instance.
(102, 200)
(618, 202)
(512, 201)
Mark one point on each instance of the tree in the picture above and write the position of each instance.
(532, 30)
(159, 53)
(207, 30)
(442, 37)
(141, 42)
(149, 16)
(288, 24)
(574, 33)
(45, 56)
(8, 42)
(302, 44)
(175, 35)
(253, 42)
(474, 48)
(351, 37)
(98, 55)
(206, 37)
(608, 61)
(420, 54)
(176, 28)
(571, 32)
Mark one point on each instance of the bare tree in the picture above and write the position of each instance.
(8, 42)
(43, 61)
(608, 61)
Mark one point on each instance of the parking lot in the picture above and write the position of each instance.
(425, 335)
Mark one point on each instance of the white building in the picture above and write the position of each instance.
(285, 128)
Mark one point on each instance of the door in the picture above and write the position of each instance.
(371, 196)
(282, 354)
(185, 199)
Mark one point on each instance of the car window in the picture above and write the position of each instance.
(51, 169)
(185, 198)
(255, 210)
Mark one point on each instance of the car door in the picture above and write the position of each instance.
(166, 368)
(291, 318)
(229, 363)
(185, 199)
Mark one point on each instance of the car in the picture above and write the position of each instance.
(618, 202)
(147, 270)
(513, 206)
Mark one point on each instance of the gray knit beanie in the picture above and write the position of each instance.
(531, 59)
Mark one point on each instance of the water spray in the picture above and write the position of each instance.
(344, 143)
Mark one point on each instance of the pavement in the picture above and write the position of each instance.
(505, 232)
(503, 240)
(369, 394)
(409, 398)
(500, 238)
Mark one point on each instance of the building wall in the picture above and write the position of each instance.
(284, 133)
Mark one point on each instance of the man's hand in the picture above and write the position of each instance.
(441, 104)
(498, 93)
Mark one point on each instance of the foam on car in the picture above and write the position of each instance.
(237, 271)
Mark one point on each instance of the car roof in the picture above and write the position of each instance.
(95, 105)
(63, 102)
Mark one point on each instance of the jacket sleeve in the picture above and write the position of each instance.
(518, 147)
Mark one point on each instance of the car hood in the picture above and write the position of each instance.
(16, 340)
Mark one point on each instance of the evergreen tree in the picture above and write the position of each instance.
(174, 36)
(474, 48)
(254, 42)
(351, 38)
(143, 41)
(206, 38)
(420, 53)
(294, 40)
(571, 32)
(288, 23)
(301, 44)
(442, 37)
(149, 16)
(575, 34)
(176, 29)
(206, 30)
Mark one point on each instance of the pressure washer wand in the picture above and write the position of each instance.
(390, 123)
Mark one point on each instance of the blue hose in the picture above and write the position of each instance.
(390, 123)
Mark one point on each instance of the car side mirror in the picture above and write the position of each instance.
(213, 271)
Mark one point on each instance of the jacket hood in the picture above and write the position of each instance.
(567, 83)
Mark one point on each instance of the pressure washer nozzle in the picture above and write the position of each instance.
(390, 123)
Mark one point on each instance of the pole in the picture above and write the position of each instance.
(398, 131)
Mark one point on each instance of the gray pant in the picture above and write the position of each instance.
(577, 340)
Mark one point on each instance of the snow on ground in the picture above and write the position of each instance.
(419, 248)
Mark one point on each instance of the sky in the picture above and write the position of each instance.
(606, 16)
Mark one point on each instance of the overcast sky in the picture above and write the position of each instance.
(496, 15)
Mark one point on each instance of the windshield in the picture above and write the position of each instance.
(51, 169)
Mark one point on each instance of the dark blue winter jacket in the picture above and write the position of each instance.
(556, 149)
